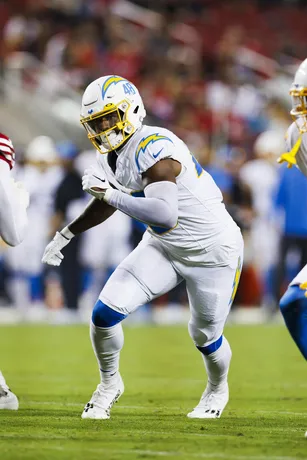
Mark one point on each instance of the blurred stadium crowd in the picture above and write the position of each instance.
(217, 73)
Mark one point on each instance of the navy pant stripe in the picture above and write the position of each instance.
(212, 347)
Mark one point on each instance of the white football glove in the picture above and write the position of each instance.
(52, 254)
(95, 183)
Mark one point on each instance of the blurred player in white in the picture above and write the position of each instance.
(148, 173)
(41, 175)
(261, 176)
(293, 304)
(14, 200)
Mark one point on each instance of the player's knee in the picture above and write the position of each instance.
(197, 334)
(206, 337)
(105, 316)
(291, 296)
(202, 332)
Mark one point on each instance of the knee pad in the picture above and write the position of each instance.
(197, 334)
(203, 332)
(104, 316)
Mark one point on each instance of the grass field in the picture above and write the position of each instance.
(53, 371)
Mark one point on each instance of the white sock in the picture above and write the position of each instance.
(107, 343)
(2, 380)
(217, 366)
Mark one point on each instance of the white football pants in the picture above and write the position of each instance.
(211, 282)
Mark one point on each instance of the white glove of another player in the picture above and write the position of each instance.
(95, 183)
(52, 254)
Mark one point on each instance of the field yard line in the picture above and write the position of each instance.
(196, 455)
(158, 433)
(51, 403)
(304, 414)
(158, 453)
(71, 404)
(26, 436)
(81, 404)
(35, 376)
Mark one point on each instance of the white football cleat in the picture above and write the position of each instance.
(211, 404)
(7, 399)
(103, 398)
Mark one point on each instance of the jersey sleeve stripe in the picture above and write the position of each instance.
(10, 162)
(3, 136)
(6, 142)
(5, 148)
(7, 152)
(8, 156)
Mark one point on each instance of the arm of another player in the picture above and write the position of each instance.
(14, 199)
(160, 204)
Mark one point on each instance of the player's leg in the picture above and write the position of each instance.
(8, 400)
(211, 291)
(145, 274)
(293, 306)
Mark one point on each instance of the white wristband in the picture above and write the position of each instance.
(109, 192)
(67, 233)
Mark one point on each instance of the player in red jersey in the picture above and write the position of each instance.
(14, 200)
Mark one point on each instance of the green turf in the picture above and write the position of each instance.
(53, 371)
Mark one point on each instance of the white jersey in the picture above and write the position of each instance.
(291, 138)
(202, 217)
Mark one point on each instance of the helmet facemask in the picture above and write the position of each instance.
(109, 129)
(299, 108)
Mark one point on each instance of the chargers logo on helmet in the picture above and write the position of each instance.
(113, 80)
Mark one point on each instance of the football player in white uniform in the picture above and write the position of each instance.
(293, 304)
(14, 200)
(148, 173)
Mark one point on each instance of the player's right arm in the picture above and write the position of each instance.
(94, 214)
(14, 199)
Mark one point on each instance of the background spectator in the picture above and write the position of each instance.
(68, 201)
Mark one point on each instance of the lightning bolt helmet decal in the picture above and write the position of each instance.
(113, 80)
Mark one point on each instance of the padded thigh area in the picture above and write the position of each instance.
(145, 274)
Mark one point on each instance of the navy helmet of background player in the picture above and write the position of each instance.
(293, 304)
(14, 200)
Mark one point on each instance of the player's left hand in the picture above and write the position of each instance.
(94, 182)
